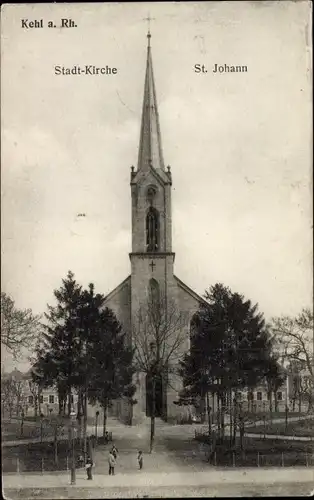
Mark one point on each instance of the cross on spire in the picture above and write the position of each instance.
(148, 19)
(150, 137)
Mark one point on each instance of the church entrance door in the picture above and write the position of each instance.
(159, 396)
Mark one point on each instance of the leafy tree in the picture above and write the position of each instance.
(58, 354)
(111, 361)
(104, 360)
(274, 377)
(19, 327)
(158, 340)
(83, 350)
(230, 350)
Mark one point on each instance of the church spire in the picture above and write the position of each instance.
(150, 150)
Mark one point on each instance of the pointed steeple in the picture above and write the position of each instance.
(150, 150)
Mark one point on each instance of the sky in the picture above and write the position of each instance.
(239, 146)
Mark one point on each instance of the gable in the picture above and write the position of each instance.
(118, 289)
(193, 296)
(160, 177)
(119, 301)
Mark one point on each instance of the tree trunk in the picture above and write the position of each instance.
(251, 401)
(85, 422)
(270, 403)
(105, 409)
(230, 417)
(152, 418)
(60, 405)
(17, 405)
(310, 404)
(276, 401)
(39, 403)
(36, 405)
(218, 415)
(81, 403)
(213, 408)
(56, 444)
(208, 414)
(79, 416)
(242, 435)
(235, 418)
(69, 402)
(223, 406)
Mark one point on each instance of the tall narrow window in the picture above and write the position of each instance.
(154, 291)
(194, 324)
(152, 230)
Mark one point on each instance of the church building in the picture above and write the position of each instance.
(152, 257)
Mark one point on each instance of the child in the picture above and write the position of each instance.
(114, 451)
(112, 463)
(140, 459)
(89, 465)
(80, 460)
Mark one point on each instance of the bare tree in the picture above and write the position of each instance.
(19, 390)
(19, 328)
(8, 394)
(159, 339)
(295, 341)
(35, 391)
(294, 338)
(12, 389)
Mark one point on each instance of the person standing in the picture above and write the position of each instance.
(140, 459)
(112, 463)
(80, 460)
(114, 451)
(89, 465)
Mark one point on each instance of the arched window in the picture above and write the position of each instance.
(150, 194)
(152, 230)
(194, 324)
(154, 291)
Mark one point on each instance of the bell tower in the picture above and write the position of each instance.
(151, 256)
(151, 280)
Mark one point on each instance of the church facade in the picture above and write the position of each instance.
(151, 258)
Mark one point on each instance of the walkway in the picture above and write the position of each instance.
(140, 432)
(280, 420)
(160, 479)
(278, 436)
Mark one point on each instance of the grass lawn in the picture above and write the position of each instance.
(263, 452)
(172, 456)
(298, 428)
(256, 416)
(11, 430)
(38, 456)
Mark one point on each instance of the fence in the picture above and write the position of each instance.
(256, 452)
(257, 459)
(42, 457)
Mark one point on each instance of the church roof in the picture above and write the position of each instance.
(150, 149)
(191, 292)
(118, 288)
